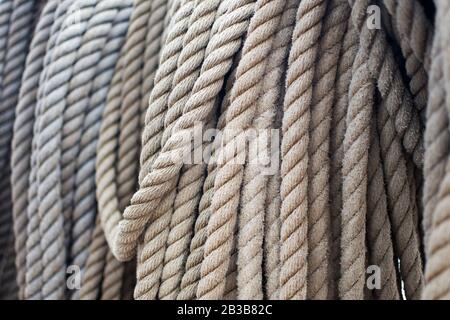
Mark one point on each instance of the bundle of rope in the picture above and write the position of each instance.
(224, 149)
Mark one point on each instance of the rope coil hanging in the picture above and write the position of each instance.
(346, 101)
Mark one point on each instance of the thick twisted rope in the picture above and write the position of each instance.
(144, 17)
(334, 26)
(122, 236)
(294, 149)
(354, 190)
(49, 154)
(354, 187)
(5, 23)
(263, 27)
(380, 246)
(191, 179)
(128, 144)
(133, 53)
(112, 196)
(271, 96)
(112, 278)
(77, 119)
(112, 281)
(19, 38)
(106, 148)
(112, 20)
(173, 6)
(7, 267)
(337, 136)
(134, 101)
(383, 69)
(5, 15)
(15, 38)
(192, 275)
(157, 108)
(109, 201)
(33, 276)
(151, 256)
(95, 264)
(22, 137)
(437, 268)
(74, 115)
(413, 31)
(406, 241)
(154, 41)
(437, 138)
(229, 178)
(168, 123)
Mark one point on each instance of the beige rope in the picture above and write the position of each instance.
(151, 256)
(334, 26)
(437, 138)
(157, 108)
(192, 275)
(263, 28)
(294, 149)
(413, 31)
(33, 277)
(406, 240)
(162, 178)
(354, 188)
(225, 201)
(192, 176)
(107, 199)
(437, 268)
(383, 69)
(133, 74)
(134, 98)
(380, 246)
(337, 135)
(271, 97)
(237, 149)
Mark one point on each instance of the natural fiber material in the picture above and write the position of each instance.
(437, 269)
(236, 149)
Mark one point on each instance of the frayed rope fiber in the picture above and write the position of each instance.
(224, 149)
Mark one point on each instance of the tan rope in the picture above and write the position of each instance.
(413, 32)
(294, 149)
(225, 201)
(192, 176)
(337, 136)
(263, 27)
(271, 96)
(237, 149)
(334, 26)
(436, 137)
(380, 246)
(437, 269)
(354, 188)
(384, 70)
(192, 275)
(406, 240)
(151, 256)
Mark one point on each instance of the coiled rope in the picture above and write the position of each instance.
(237, 149)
